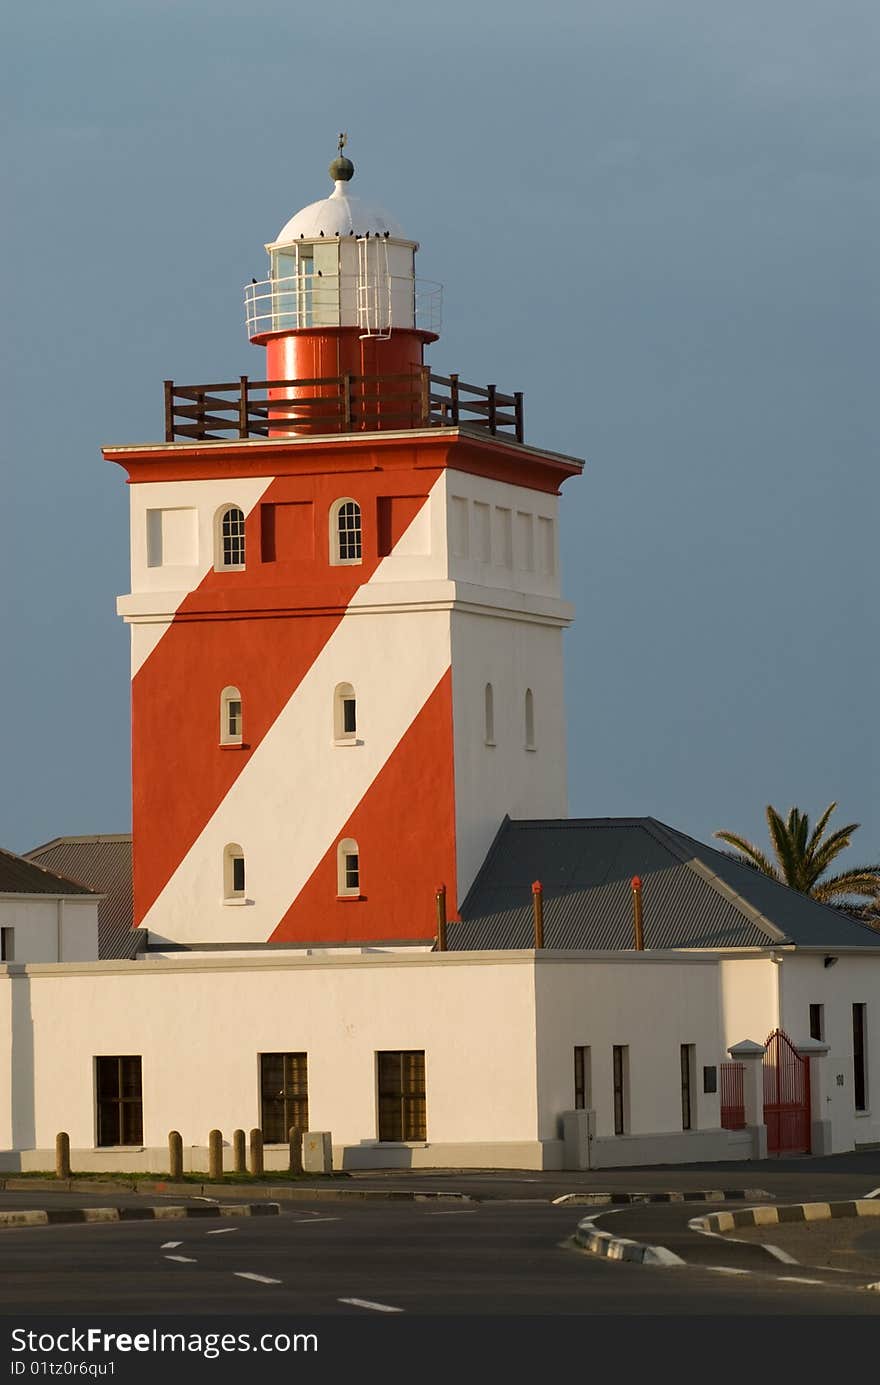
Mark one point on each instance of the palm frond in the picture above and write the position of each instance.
(753, 855)
(783, 846)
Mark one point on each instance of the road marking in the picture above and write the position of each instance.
(257, 1278)
(170, 1245)
(795, 1279)
(455, 1212)
(314, 1222)
(223, 1231)
(725, 1269)
(365, 1303)
(782, 1255)
(875, 1193)
(182, 1259)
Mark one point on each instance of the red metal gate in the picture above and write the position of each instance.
(786, 1096)
(733, 1107)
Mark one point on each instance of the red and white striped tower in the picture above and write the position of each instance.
(345, 615)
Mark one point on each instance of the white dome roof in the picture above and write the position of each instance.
(338, 215)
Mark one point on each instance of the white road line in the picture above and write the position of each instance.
(724, 1269)
(182, 1259)
(875, 1193)
(455, 1212)
(170, 1245)
(301, 1221)
(257, 1278)
(795, 1279)
(365, 1303)
(222, 1231)
(782, 1255)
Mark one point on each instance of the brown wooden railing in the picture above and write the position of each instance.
(247, 408)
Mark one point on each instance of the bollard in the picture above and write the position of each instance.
(239, 1151)
(538, 913)
(440, 911)
(295, 1140)
(256, 1152)
(175, 1154)
(62, 1155)
(215, 1155)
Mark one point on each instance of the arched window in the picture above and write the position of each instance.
(489, 715)
(230, 717)
(233, 872)
(344, 714)
(345, 532)
(530, 719)
(348, 870)
(229, 539)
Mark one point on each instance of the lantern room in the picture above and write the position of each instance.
(341, 272)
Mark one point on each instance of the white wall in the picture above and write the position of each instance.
(805, 980)
(653, 1005)
(51, 928)
(504, 778)
(200, 1024)
(749, 992)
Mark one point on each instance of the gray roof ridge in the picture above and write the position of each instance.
(666, 837)
(779, 884)
(505, 823)
(52, 874)
(69, 841)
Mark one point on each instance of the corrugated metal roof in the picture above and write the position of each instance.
(103, 863)
(18, 875)
(693, 896)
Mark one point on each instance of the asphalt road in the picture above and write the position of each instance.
(494, 1258)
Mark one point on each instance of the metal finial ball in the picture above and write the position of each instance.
(342, 169)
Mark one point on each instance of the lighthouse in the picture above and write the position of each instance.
(345, 613)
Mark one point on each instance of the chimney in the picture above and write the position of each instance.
(440, 905)
(638, 925)
(538, 911)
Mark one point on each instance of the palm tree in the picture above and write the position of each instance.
(803, 859)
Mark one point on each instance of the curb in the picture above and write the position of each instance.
(619, 1248)
(71, 1215)
(283, 1192)
(716, 1223)
(625, 1199)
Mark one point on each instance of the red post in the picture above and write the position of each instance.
(538, 912)
(440, 905)
(638, 924)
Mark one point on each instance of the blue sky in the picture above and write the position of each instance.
(659, 219)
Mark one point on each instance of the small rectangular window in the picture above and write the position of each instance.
(7, 944)
(402, 1099)
(620, 1066)
(860, 1085)
(284, 1095)
(349, 716)
(817, 1021)
(120, 1101)
(582, 1096)
(234, 720)
(238, 875)
(352, 871)
(688, 1062)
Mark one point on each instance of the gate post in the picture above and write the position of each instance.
(815, 1051)
(751, 1055)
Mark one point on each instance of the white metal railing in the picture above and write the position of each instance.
(376, 304)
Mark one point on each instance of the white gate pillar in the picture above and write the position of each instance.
(751, 1055)
(816, 1052)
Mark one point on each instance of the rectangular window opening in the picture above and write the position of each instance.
(817, 1021)
(238, 875)
(582, 1095)
(620, 1065)
(352, 871)
(860, 1086)
(688, 1066)
(118, 1084)
(402, 1099)
(7, 944)
(284, 1095)
(349, 716)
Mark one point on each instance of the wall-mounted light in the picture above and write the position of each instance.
(829, 961)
